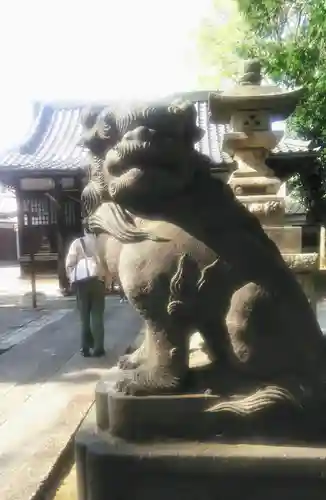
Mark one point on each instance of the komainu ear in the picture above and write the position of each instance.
(107, 127)
(192, 133)
(89, 136)
(89, 116)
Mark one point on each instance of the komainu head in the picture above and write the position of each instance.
(154, 160)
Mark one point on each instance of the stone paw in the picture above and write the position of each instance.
(145, 382)
(127, 386)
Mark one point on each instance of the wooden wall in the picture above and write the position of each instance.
(8, 246)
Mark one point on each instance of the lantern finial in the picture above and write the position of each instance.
(251, 72)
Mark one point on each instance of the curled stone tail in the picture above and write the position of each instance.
(182, 285)
(262, 399)
(175, 285)
(187, 281)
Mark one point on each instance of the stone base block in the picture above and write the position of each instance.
(179, 416)
(115, 469)
(203, 414)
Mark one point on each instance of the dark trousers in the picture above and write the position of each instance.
(91, 303)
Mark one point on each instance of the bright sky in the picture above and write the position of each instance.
(99, 49)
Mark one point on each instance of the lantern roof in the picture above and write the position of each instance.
(248, 94)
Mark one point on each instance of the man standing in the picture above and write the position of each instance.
(88, 278)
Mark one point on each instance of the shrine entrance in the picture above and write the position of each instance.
(49, 221)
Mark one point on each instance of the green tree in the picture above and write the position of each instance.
(289, 37)
(219, 41)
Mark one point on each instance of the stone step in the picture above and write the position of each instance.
(204, 470)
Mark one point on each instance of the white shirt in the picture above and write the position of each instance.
(76, 252)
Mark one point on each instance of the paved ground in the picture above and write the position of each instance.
(12, 318)
(46, 387)
(15, 291)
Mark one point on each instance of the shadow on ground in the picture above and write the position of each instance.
(52, 353)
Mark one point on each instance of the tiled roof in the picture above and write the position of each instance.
(52, 143)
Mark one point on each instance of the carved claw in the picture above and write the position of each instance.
(128, 362)
(133, 360)
(127, 386)
(147, 381)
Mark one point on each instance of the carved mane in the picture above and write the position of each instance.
(145, 153)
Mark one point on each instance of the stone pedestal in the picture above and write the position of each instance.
(158, 446)
(115, 469)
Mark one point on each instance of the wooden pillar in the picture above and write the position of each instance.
(32, 264)
(20, 223)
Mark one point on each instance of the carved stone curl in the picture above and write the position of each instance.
(267, 208)
(302, 262)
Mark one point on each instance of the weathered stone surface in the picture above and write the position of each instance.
(192, 413)
(268, 209)
(305, 262)
(287, 238)
(109, 467)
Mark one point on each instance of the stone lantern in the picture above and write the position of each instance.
(249, 109)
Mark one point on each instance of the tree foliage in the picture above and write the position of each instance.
(220, 39)
(289, 37)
